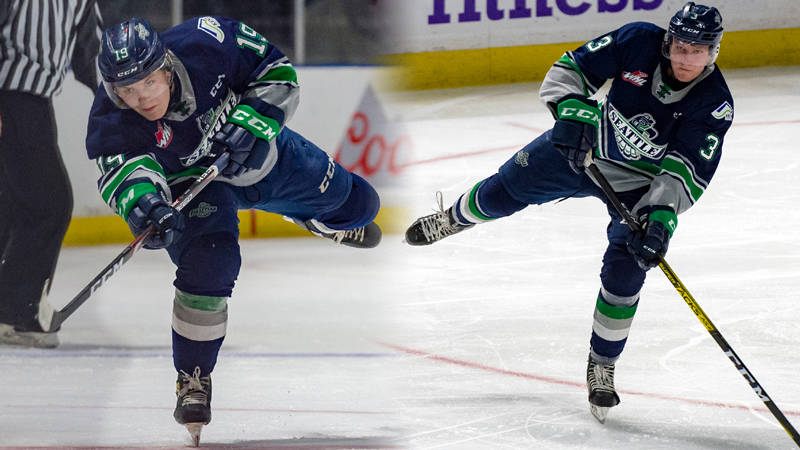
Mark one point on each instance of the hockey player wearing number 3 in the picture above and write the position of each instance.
(657, 138)
(170, 104)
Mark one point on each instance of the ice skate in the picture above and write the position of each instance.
(434, 227)
(194, 432)
(37, 339)
(602, 395)
(193, 408)
(368, 236)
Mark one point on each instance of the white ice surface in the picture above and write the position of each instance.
(479, 341)
(297, 367)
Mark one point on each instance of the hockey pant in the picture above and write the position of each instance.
(36, 205)
(539, 174)
(304, 184)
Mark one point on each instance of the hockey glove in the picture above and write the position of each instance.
(651, 243)
(241, 144)
(575, 131)
(167, 221)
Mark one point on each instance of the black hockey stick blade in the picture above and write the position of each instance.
(59, 316)
(594, 171)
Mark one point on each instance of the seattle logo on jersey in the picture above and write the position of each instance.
(635, 136)
(163, 135)
(638, 78)
(725, 111)
(209, 123)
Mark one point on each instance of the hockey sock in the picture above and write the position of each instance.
(488, 200)
(188, 354)
(198, 328)
(613, 316)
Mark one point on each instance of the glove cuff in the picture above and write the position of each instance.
(262, 127)
(666, 217)
(580, 109)
(130, 197)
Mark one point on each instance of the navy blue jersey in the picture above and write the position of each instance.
(216, 63)
(667, 137)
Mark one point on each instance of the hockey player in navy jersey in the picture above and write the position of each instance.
(170, 104)
(657, 138)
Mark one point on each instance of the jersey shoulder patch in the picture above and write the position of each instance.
(723, 112)
(212, 27)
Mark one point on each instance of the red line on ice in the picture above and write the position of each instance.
(525, 126)
(460, 155)
(552, 380)
(539, 130)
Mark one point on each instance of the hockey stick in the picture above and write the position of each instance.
(695, 307)
(59, 316)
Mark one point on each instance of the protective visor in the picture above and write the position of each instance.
(149, 87)
(689, 53)
(126, 91)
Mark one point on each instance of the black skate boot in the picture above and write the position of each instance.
(602, 395)
(434, 227)
(193, 408)
(368, 236)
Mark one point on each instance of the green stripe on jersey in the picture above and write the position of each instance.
(281, 73)
(645, 167)
(144, 162)
(565, 59)
(193, 172)
(677, 167)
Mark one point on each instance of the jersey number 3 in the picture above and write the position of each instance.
(708, 151)
(594, 46)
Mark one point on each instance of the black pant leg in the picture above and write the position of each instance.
(35, 205)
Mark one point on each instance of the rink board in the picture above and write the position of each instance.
(524, 63)
(252, 224)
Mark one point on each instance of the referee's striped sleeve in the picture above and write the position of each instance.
(40, 39)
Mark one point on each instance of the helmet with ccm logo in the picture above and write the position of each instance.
(695, 25)
(129, 52)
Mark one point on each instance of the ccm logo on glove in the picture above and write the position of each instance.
(257, 124)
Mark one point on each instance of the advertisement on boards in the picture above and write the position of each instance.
(440, 25)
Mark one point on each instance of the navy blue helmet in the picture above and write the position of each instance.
(130, 51)
(695, 25)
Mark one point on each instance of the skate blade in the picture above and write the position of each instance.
(194, 431)
(599, 412)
